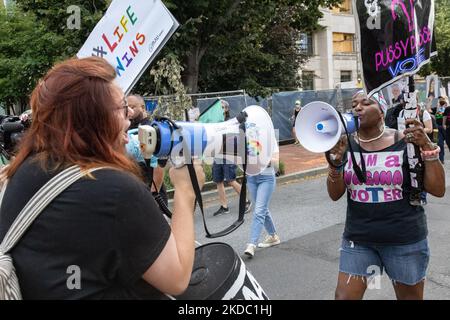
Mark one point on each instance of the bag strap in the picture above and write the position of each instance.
(38, 202)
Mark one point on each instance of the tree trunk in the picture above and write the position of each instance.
(192, 70)
(190, 76)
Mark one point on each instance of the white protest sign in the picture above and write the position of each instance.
(129, 36)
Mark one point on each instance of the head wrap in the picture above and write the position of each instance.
(378, 98)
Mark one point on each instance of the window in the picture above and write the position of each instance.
(346, 76)
(308, 80)
(343, 43)
(344, 7)
(306, 44)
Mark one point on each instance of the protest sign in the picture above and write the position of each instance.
(396, 39)
(129, 36)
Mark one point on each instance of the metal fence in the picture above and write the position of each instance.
(280, 106)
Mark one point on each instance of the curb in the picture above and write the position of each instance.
(229, 191)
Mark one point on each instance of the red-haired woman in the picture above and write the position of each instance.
(106, 226)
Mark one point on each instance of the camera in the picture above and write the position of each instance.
(12, 129)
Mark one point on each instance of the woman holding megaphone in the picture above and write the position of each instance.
(383, 231)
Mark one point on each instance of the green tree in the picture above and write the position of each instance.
(54, 14)
(439, 64)
(249, 44)
(27, 51)
(221, 45)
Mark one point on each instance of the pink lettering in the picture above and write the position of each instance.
(363, 195)
(405, 46)
(393, 161)
(379, 60)
(376, 178)
(371, 160)
(397, 194)
(409, 15)
(388, 195)
(350, 162)
(369, 181)
(385, 178)
(355, 180)
(397, 179)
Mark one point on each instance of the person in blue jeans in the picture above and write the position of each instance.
(261, 188)
(225, 172)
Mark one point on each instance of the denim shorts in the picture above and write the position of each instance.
(406, 264)
(223, 172)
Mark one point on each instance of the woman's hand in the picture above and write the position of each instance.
(416, 135)
(182, 181)
(336, 155)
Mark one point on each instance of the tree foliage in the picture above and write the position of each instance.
(27, 50)
(439, 64)
(221, 45)
(250, 44)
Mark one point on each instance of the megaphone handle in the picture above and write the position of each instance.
(361, 174)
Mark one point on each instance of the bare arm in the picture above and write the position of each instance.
(335, 180)
(335, 184)
(434, 176)
(434, 180)
(428, 127)
(171, 271)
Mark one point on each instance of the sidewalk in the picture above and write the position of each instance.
(299, 164)
(297, 159)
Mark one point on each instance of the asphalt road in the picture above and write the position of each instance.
(310, 225)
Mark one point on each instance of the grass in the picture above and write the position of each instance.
(208, 174)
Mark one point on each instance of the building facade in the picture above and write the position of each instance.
(333, 51)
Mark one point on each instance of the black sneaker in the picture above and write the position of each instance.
(248, 206)
(221, 210)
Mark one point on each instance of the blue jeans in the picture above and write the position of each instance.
(406, 264)
(261, 188)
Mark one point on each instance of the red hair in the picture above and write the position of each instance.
(74, 120)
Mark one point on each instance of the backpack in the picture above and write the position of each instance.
(9, 283)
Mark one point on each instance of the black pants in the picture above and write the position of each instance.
(447, 136)
(441, 141)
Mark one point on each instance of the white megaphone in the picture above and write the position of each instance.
(318, 126)
(217, 141)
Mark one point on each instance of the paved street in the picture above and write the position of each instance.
(305, 264)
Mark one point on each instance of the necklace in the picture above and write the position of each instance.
(373, 139)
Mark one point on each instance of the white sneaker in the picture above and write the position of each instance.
(250, 251)
(270, 241)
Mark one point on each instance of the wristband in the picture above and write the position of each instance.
(431, 154)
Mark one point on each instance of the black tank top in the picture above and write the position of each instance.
(379, 212)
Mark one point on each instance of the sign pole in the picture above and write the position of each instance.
(416, 165)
